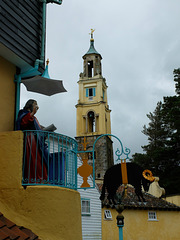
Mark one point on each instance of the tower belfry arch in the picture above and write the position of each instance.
(91, 122)
(92, 110)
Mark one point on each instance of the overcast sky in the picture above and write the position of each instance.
(140, 45)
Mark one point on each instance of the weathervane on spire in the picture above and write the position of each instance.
(92, 30)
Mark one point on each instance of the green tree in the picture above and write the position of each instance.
(177, 80)
(171, 118)
(156, 133)
(162, 153)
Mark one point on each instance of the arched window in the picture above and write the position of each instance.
(90, 69)
(91, 121)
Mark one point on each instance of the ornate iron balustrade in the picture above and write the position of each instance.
(49, 159)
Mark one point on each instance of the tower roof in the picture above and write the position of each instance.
(92, 49)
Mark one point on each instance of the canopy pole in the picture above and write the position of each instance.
(43, 31)
(18, 82)
(34, 71)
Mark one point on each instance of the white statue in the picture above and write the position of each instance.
(155, 189)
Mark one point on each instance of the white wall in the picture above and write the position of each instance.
(91, 224)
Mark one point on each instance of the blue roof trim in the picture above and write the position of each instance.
(46, 73)
(92, 49)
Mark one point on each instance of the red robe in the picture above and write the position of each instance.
(35, 169)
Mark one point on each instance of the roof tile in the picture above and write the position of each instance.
(31, 235)
(2, 224)
(3, 236)
(6, 221)
(10, 231)
(21, 234)
(131, 200)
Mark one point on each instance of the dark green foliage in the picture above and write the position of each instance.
(162, 153)
(177, 80)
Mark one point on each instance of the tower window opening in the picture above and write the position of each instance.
(103, 95)
(90, 69)
(91, 122)
(90, 156)
(90, 92)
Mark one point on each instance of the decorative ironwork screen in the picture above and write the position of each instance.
(88, 173)
(49, 159)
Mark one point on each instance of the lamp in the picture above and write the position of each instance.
(120, 220)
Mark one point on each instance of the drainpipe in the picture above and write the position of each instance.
(59, 2)
(18, 82)
(34, 71)
(44, 2)
(41, 60)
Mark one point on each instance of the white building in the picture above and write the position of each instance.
(90, 210)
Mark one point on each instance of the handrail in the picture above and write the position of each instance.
(49, 159)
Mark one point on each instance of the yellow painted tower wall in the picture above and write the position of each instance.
(97, 105)
(53, 213)
(137, 226)
(92, 111)
(7, 95)
(97, 82)
(103, 126)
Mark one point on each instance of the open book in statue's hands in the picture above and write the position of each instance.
(50, 128)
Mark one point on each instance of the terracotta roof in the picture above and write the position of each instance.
(9, 230)
(130, 201)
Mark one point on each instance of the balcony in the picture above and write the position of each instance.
(49, 159)
(44, 207)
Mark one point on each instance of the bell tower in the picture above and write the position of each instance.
(93, 113)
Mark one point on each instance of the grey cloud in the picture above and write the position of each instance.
(140, 44)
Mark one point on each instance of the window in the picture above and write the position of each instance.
(85, 206)
(107, 214)
(90, 92)
(90, 155)
(152, 216)
(103, 95)
(90, 69)
(91, 121)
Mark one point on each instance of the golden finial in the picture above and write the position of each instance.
(84, 144)
(85, 170)
(47, 62)
(92, 30)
